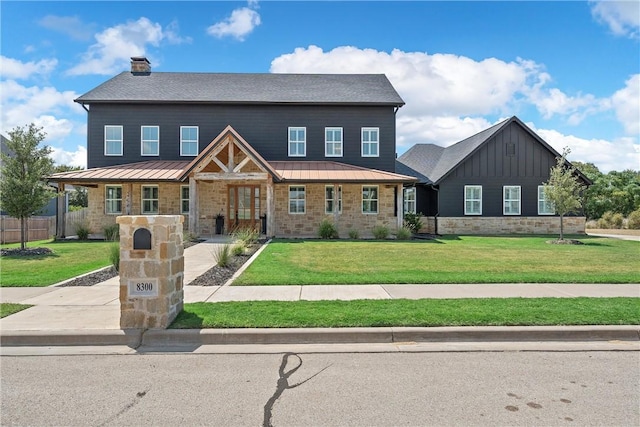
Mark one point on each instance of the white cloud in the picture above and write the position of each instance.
(438, 84)
(15, 69)
(69, 25)
(626, 103)
(70, 158)
(22, 105)
(440, 130)
(240, 24)
(116, 45)
(619, 154)
(622, 17)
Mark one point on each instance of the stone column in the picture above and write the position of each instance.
(151, 270)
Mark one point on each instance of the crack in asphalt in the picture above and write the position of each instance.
(283, 384)
(134, 402)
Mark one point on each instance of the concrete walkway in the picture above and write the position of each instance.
(94, 308)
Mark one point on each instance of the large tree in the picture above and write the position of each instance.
(23, 192)
(563, 189)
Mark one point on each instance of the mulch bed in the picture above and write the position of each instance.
(218, 276)
(25, 252)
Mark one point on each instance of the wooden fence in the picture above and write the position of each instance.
(72, 219)
(38, 228)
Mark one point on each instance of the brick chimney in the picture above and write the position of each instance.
(140, 65)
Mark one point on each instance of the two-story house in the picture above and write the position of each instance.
(273, 151)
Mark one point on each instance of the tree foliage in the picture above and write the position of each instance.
(563, 189)
(23, 192)
(616, 192)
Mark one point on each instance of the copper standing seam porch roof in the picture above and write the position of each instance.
(291, 171)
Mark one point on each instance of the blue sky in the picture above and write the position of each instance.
(570, 70)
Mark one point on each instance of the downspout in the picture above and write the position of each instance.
(435, 217)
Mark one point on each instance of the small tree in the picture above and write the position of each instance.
(563, 189)
(23, 193)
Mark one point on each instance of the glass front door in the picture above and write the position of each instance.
(244, 206)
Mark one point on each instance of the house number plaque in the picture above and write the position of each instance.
(143, 288)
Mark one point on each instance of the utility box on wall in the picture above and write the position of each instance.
(151, 270)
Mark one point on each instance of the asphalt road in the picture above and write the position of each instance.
(411, 389)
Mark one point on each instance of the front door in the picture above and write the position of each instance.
(244, 206)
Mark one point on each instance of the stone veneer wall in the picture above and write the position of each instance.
(510, 225)
(168, 203)
(351, 218)
(164, 262)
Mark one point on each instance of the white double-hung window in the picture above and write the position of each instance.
(332, 195)
(112, 140)
(150, 140)
(113, 199)
(545, 207)
(149, 199)
(189, 140)
(370, 199)
(473, 199)
(370, 142)
(297, 199)
(511, 199)
(410, 200)
(297, 141)
(333, 142)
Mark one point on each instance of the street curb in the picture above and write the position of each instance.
(71, 337)
(197, 337)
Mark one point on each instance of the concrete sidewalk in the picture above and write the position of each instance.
(94, 311)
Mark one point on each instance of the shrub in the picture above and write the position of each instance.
(591, 224)
(237, 250)
(354, 235)
(617, 220)
(222, 254)
(380, 232)
(189, 237)
(403, 233)
(413, 221)
(327, 230)
(82, 230)
(114, 255)
(633, 220)
(606, 220)
(247, 236)
(111, 232)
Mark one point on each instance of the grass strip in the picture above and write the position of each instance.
(403, 312)
(69, 259)
(9, 308)
(448, 259)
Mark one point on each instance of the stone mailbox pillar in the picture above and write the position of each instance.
(151, 270)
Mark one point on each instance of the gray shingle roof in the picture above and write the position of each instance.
(245, 88)
(435, 162)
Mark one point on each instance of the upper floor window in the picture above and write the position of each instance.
(473, 200)
(370, 142)
(149, 199)
(113, 199)
(511, 199)
(150, 136)
(297, 142)
(331, 199)
(188, 140)
(113, 140)
(410, 199)
(297, 199)
(333, 142)
(370, 199)
(184, 199)
(545, 207)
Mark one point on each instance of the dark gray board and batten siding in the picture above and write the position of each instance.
(492, 168)
(264, 127)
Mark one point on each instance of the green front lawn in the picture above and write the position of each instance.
(400, 312)
(69, 259)
(9, 308)
(449, 259)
